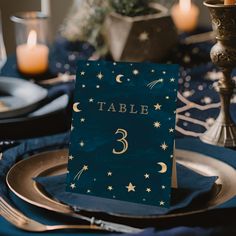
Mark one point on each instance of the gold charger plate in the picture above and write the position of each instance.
(20, 180)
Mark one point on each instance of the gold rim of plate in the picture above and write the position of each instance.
(20, 180)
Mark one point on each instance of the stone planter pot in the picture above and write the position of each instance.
(141, 38)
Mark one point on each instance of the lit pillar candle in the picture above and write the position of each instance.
(185, 15)
(229, 2)
(32, 58)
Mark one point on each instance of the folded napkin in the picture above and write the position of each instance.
(188, 195)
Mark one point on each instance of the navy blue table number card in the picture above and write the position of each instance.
(122, 133)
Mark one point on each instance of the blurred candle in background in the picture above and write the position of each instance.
(32, 58)
(32, 42)
(185, 15)
(229, 2)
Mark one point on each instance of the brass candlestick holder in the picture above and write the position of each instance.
(223, 54)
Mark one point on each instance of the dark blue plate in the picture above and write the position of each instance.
(19, 97)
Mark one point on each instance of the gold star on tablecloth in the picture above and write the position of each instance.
(82, 120)
(82, 73)
(109, 173)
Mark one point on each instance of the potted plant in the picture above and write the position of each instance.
(139, 30)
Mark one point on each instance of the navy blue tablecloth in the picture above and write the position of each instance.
(198, 107)
(32, 146)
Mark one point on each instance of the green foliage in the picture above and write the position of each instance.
(85, 21)
(132, 7)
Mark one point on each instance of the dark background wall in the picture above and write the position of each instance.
(59, 9)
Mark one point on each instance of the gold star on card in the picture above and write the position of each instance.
(171, 130)
(148, 190)
(73, 186)
(157, 106)
(81, 143)
(85, 167)
(100, 76)
(143, 36)
(157, 124)
(131, 187)
(162, 203)
(146, 176)
(110, 188)
(164, 146)
(71, 157)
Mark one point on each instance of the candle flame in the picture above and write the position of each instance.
(32, 38)
(185, 5)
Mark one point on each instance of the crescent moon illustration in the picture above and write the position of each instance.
(118, 78)
(163, 167)
(75, 107)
